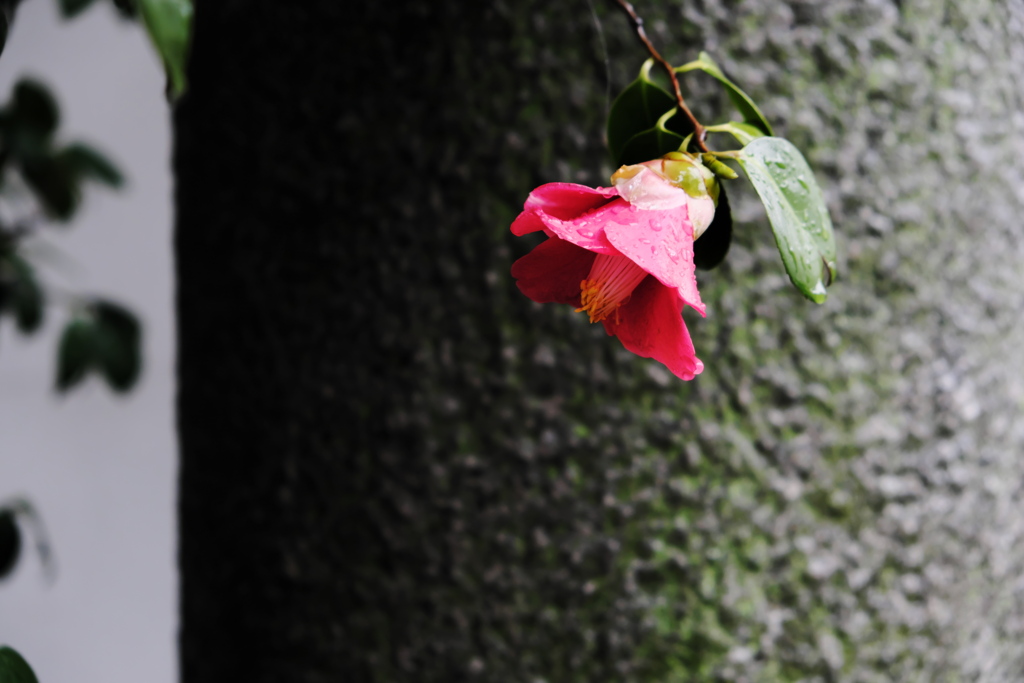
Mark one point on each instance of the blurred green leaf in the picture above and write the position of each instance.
(14, 668)
(797, 212)
(118, 338)
(86, 162)
(169, 24)
(5, 25)
(56, 178)
(76, 353)
(10, 542)
(709, 249)
(751, 113)
(28, 121)
(33, 106)
(26, 296)
(105, 337)
(71, 8)
(126, 8)
(55, 184)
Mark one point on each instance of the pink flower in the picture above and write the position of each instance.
(624, 254)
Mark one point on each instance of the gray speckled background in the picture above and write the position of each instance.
(509, 496)
(837, 497)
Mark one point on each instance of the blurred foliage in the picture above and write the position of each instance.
(168, 23)
(14, 515)
(34, 165)
(10, 541)
(14, 668)
(103, 337)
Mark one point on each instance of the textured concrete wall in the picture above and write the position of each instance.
(447, 482)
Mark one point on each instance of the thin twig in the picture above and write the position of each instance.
(638, 24)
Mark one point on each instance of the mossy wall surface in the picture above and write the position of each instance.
(397, 468)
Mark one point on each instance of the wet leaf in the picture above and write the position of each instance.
(750, 111)
(797, 212)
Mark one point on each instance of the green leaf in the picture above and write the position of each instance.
(118, 344)
(35, 107)
(14, 668)
(86, 162)
(26, 296)
(636, 110)
(55, 183)
(651, 144)
(797, 212)
(10, 543)
(20, 292)
(743, 132)
(751, 113)
(71, 8)
(5, 24)
(28, 121)
(76, 353)
(105, 337)
(710, 248)
(169, 24)
(56, 177)
(126, 8)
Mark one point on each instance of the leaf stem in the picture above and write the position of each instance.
(638, 26)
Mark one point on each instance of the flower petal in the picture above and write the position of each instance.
(566, 201)
(660, 242)
(645, 189)
(651, 325)
(569, 211)
(552, 272)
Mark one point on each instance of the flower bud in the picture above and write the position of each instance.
(669, 182)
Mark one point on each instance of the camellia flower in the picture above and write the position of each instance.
(624, 254)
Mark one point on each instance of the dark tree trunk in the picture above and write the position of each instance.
(396, 468)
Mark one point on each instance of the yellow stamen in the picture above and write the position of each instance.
(610, 283)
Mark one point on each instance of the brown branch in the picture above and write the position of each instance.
(638, 24)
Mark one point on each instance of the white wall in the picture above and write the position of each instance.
(101, 468)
